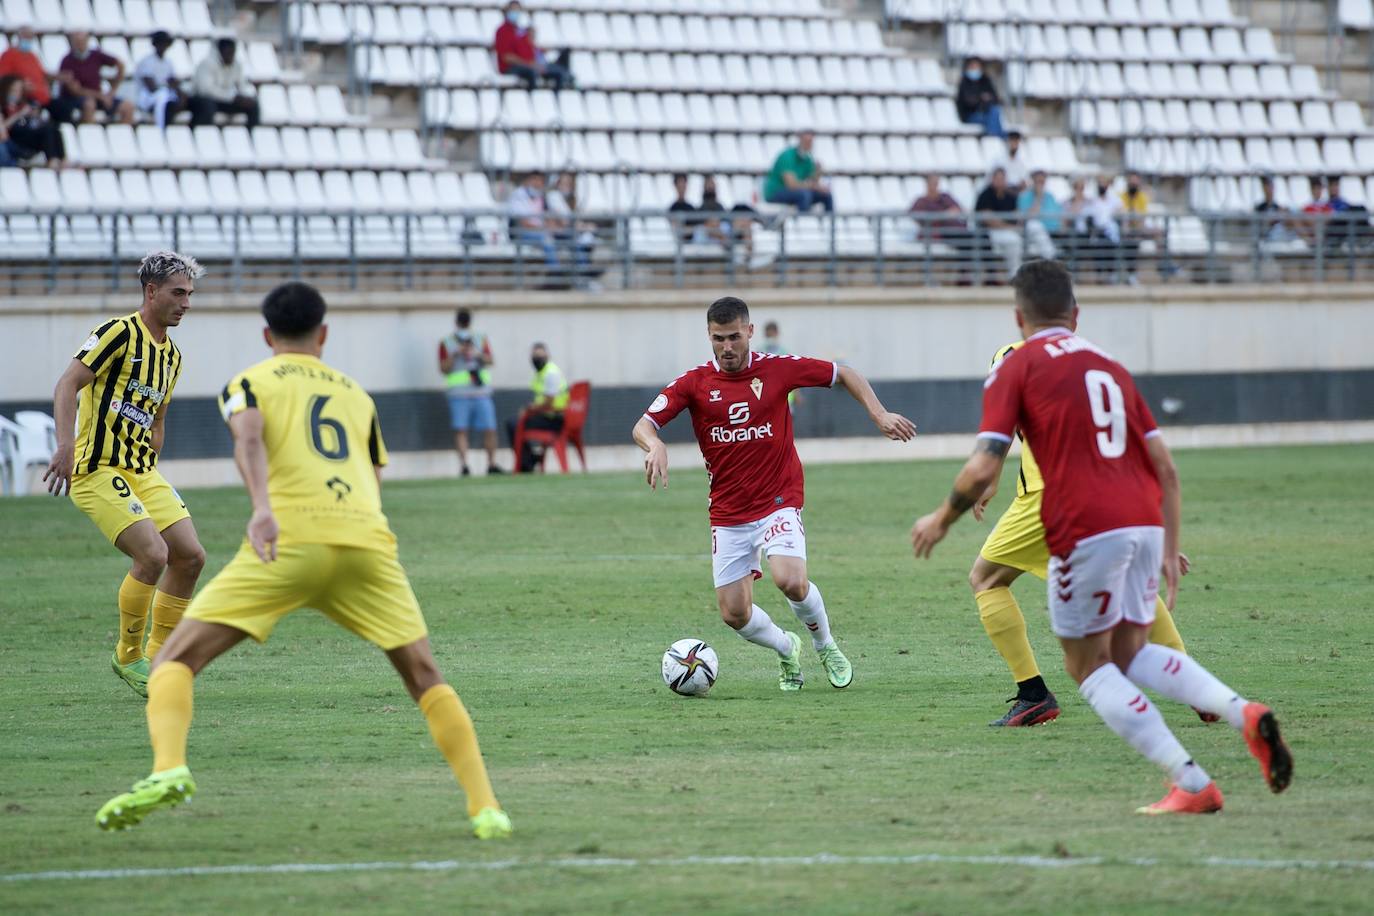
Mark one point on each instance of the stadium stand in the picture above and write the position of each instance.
(387, 133)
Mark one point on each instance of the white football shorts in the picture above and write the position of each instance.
(735, 549)
(1105, 579)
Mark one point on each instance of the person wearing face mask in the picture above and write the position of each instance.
(545, 411)
(518, 55)
(977, 99)
(23, 131)
(21, 59)
(82, 76)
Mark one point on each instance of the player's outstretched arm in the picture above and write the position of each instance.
(656, 453)
(250, 454)
(1173, 514)
(893, 425)
(982, 468)
(58, 476)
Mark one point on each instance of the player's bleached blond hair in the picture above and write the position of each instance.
(159, 266)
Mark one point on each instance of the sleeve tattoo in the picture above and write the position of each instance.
(995, 447)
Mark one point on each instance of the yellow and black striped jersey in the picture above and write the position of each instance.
(134, 379)
(323, 442)
(1029, 480)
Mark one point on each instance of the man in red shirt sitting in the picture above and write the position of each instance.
(83, 84)
(21, 59)
(517, 55)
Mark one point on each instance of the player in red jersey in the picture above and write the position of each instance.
(738, 404)
(1111, 509)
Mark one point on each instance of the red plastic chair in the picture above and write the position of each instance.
(574, 419)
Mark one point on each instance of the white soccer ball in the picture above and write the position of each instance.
(690, 667)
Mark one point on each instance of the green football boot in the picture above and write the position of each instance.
(160, 790)
(837, 667)
(135, 674)
(491, 824)
(790, 675)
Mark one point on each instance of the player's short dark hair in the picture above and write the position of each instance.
(1044, 291)
(464, 318)
(293, 309)
(727, 310)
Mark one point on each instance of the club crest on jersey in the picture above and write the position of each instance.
(715, 394)
(756, 385)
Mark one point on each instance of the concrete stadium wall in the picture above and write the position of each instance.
(1220, 355)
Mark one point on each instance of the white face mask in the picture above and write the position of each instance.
(973, 74)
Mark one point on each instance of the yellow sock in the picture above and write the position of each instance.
(1164, 632)
(167, 611)
(452, 729)
(1001, 617)
(134, 597)
(169, 714)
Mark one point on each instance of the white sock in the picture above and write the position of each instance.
(1172, 674)
(762, 631)
(1129, 713)
(811, 612)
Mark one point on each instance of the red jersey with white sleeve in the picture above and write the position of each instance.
(743, 426)
(1080, 411)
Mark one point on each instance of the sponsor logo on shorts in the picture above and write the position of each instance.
(135, 415)
(135, 507)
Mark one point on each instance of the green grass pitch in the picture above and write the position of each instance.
(550, 601)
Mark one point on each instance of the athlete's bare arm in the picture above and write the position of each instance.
(982, 468)
(250, 455)
(1173, 511)
(58, 476)
(656, 457)
(893, 425)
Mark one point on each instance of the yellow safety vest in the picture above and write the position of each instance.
(462, 378)
(560, 400)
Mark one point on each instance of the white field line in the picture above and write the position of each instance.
(312, 868)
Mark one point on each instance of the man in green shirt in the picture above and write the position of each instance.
(795, 178)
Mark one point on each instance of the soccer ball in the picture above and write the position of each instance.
(689, 667)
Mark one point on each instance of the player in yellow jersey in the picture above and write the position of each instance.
(308, 445)
(1017, 545)
(115, 392)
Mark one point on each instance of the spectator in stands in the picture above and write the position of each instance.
(795, 178)
(545, 411)
(1040, 213)
(1115, 250)
(159, 90)
(732, 229)
(21, 59)
(976, 99)
(219, 87)
(465, 360)
(684, 226)
(1334, 200)
(517, 54)
(772, 340)
(996, 213)
(1277, 228)
(1078, 230)
(1012, 162)
(1317, 211)
(1135, 207)
(570, 233)
(527, 207)
(83, 84)
(24, 132)
(952, 229)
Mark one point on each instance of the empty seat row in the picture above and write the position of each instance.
(602, 151)
(1043, 79)
(1160, 43)
(259, 58)
(186, 18)
(234, 146)
(1068, 12)
(332, 23)
(1175, 117)
(1254, 155)
(1223, 192)
(304, 104)
(224, 190)
(467, 109)
(400, 66)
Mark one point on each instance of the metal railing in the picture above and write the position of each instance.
(450, 249)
